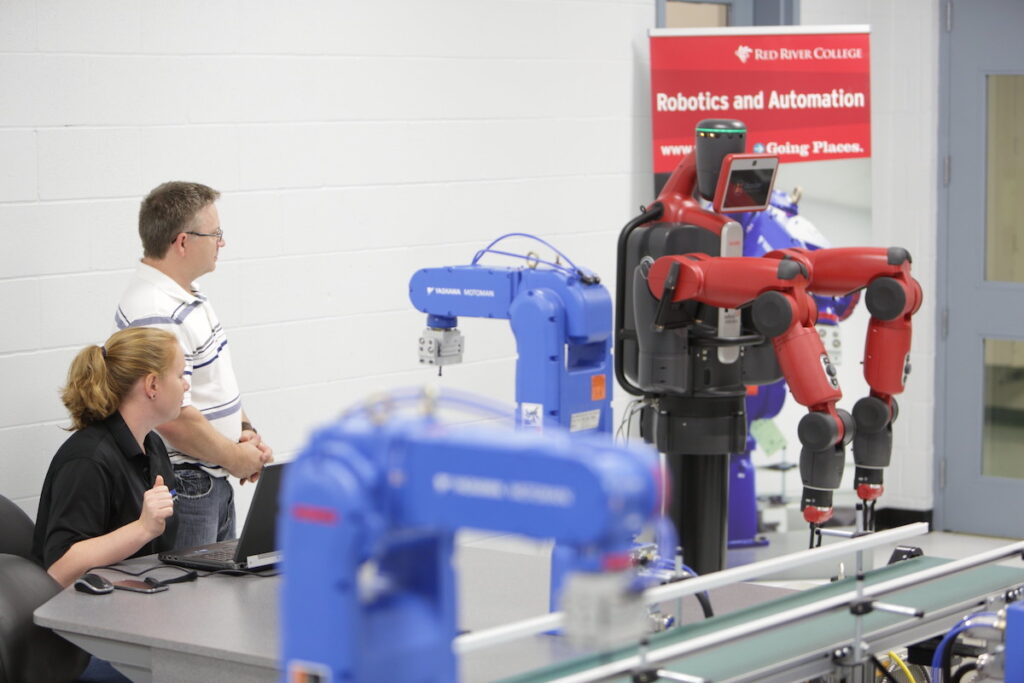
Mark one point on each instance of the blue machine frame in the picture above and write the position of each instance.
(1014, 642)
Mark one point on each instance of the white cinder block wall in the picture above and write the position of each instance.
(355, 142)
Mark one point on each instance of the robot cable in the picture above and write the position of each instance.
(574, 270)
(622, 433)
(429, 399)
(896, 659)
(942, 659)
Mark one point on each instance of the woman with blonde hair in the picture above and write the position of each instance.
(108, 494)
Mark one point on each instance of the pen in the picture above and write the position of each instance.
(174, 494)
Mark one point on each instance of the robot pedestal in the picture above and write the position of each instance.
(697, 435)
(700, 508)
(686, 358)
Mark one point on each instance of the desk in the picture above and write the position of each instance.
(216, 628)
(225, 628)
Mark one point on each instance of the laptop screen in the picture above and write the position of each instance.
(258, 541)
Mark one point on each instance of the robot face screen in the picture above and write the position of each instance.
(745, 183)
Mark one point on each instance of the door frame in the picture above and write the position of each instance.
(959, 409)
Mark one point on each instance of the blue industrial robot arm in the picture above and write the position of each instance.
(561, 318)
(368, 516)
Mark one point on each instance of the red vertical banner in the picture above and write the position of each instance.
(804, 93)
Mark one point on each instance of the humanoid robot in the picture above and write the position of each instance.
(696, 323)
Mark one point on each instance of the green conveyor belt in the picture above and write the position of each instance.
(817, 633)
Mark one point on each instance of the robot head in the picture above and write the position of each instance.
(714, 139)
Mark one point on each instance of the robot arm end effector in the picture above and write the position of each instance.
(441, 343)
(824, 436)
(603, 610)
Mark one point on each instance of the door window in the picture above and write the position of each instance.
(1004, 218)
(1002, 431)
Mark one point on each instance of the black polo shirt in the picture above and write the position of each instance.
(95, 485)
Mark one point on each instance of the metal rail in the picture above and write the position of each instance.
(777, 564)
(665, 654)
(551, 622)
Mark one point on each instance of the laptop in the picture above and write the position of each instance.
(255, 548)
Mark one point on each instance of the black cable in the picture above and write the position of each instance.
(812, 536)
(964, 670)
(648, 214)
(156, 583)
(705, 604)
(947, 658)
(188, 574)
(885, 672)
(703, 597)
(240, 572)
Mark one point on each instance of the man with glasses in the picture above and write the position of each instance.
(212, 438)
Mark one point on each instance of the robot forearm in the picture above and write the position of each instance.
(825, 431)
(872, 444)
(725, 282)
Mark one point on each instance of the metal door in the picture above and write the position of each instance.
(980, 363)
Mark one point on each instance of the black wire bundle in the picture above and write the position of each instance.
(963, 671)
(882, 670)
(947, 663)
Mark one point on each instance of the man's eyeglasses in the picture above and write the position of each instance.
(219, 234)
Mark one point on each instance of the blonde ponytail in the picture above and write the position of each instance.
(101, 377)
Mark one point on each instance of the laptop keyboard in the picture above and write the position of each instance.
(220, 555)
(217, 552)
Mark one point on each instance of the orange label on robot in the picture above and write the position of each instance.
(598, 390)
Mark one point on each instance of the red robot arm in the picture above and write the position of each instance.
(892, 297)
(678, 203)
(782, 310)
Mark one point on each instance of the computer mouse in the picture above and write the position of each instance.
(93, 583)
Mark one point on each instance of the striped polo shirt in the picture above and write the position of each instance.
(153, 299)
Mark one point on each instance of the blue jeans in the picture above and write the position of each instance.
(205, 508)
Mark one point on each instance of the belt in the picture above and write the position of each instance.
(188, 466)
